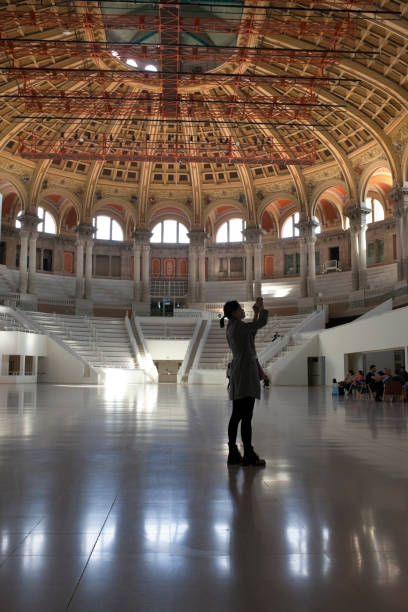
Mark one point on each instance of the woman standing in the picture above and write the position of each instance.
(244, 385)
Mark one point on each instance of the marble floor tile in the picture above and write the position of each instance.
(120, 500)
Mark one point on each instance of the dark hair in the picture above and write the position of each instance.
(372, 366)
(361, 372)
(351, 372)
(229, 308)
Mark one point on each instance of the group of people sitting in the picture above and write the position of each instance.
(374, 381)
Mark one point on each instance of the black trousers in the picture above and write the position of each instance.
(242, 411)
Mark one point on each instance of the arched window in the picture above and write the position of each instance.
(318, 228)
(377, 210)
(47, 223)
(288, 228)
(170, 231)
(107, 228)
(18, 222)
(231, 231)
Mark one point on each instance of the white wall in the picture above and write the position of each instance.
(22, 343)
(62, 367)
(173, 350)
(292, 369)
(375, 336)
(379, 333)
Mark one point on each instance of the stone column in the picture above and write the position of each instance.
(311, 278)
(354, 246)
(400, 196)
(201, 274)
(249, 271)
(253, 245)
(23, 261)
(211, 266)
(258, 269)
(83, 289)
(303, 266)
(307, 241)
(146, 273)
(32, 262)
(357, 214)
(79, 269)
(196, 255)
(29, 222)
(362, 254)
(141, 270)
(192, 274)
(137, 289)
(88, 269)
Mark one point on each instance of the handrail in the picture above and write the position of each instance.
(278, 345)
(203, 340)
(145, 360)
(28, 321)
(187, 356)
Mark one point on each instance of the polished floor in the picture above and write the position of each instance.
(116, 499)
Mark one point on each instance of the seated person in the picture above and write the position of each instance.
(387, 374)
(358, 379)
(375, 382)
(348, 381)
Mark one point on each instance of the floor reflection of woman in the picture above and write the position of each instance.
(244, 385)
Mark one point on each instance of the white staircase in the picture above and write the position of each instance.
(9, 280)
(155, 328)
(9, 322)
(101, 342)
(216, 354)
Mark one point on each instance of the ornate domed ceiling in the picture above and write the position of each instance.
(191, 101)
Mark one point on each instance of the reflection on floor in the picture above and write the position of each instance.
(116, 499)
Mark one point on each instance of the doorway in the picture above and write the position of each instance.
(167, 370)
(3, 248)
(165, 307)
(316, 371)
(334, 253)
(47, 260)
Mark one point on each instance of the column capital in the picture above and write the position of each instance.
(307, 227)
(142, 236)
(253, 234)
(197, 237)
(356, 213)
(29, 220)
(399, 194)
(85, 231)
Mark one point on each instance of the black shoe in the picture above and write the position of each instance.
(251, 458)
(234, 456)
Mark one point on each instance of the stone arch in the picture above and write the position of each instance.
(281, 195)
(185, 212)
(225, 202)
(368, 173)
(14, 184)
(321, 189)
(111, 201)
(326, 206)
(66, 209)
(404, 165)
